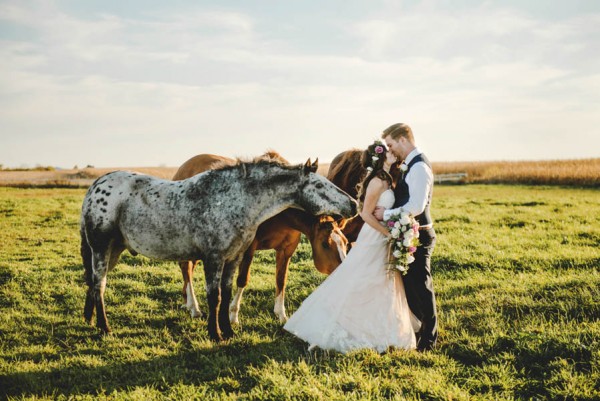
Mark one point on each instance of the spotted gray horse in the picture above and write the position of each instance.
(211, 217)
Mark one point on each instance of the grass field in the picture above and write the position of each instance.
(517, 276)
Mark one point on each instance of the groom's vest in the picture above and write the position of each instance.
(401, 191)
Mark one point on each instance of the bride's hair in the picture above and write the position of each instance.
(372, 160)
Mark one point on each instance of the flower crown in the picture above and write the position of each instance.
(375, 152)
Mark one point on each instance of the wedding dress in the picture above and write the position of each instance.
(361, 304)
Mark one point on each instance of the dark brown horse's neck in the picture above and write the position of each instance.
(299, 220)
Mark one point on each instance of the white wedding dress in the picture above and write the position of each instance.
(361, 304)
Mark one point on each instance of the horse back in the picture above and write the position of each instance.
(199, 164)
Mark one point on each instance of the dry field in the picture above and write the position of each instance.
(582, 172)
(83, 177)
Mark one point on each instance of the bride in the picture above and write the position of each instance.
(361, 304)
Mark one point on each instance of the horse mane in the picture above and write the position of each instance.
(258, 162)
(346, 171)
(272, 155)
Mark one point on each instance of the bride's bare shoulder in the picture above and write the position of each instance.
(377, 185)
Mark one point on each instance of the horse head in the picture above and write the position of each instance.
(328, 243)
(319, 196)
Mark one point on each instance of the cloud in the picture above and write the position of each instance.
(153, 86)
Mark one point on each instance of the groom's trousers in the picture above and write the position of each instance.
(418, 285)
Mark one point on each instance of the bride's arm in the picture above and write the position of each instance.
(374, 190)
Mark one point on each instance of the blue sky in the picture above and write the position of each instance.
(149, 83)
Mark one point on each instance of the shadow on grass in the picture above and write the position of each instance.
(188, 367)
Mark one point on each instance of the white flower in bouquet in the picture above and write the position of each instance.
(404, 234)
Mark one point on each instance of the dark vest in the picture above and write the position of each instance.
(401, 191)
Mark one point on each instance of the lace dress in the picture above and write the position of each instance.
(361, 304)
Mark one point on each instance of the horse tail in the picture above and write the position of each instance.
(86, 255)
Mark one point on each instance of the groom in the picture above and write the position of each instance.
(413, 194)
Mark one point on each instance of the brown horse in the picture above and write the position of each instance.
(346, 171)
(281, 233)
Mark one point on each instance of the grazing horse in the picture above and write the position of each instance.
(212, 217)
(281, 232)
(346, 170)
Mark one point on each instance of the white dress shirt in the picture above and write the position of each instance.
(419, 180)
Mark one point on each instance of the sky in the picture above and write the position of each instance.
(153, 83)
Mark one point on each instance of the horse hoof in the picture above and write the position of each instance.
(283, 319)
(196, 314)
(228, 334)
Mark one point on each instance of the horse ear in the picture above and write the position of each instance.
(307, 166)
(315, 165)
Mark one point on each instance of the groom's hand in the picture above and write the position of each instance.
(378, 212)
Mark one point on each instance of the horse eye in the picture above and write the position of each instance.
(319, 185)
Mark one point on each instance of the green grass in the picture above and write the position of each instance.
(516, 272)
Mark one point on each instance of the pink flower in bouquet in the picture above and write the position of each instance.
(412, 249)
(390, 223)
(378, 149)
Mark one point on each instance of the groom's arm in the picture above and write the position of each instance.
(419, 180)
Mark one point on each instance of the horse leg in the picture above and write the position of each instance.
(213, 270)
(100, 270)
(189, 297)
(103, 262)
(226, 284)
(86, 255)
(282, 258)
(242, 281)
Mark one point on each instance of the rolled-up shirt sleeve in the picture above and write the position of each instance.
(419, 180)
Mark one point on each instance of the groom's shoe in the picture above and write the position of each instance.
(424, 346)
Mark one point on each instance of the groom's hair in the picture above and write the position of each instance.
(395, 131)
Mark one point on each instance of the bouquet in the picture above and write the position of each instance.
(404, 230)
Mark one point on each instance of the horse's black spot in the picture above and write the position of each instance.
(110, 186)
(97, 200)
(108, 194)
(120, 193)
(103, 192)
(97, 190)
(105, 203)
(103, 210)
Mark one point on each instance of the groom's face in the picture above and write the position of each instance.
(396, 147)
